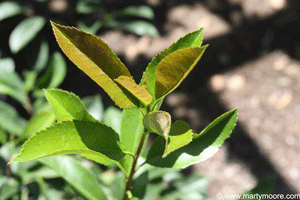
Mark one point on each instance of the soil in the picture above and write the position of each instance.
(252, 63)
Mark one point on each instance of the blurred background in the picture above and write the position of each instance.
(252, 63)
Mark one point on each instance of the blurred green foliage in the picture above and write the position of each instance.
(43, 67)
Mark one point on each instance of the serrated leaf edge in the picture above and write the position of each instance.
(70, 151)
(56, 89)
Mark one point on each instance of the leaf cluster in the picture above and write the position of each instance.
(108, 137)
(78, 132)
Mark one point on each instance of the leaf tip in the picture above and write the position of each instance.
(15, 159)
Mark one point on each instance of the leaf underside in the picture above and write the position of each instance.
(136, 93)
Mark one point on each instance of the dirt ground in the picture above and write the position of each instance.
(253, 64)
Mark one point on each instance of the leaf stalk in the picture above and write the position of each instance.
(135, 158)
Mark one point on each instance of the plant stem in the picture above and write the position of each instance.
(135, 158)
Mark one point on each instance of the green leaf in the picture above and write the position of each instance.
(130, 135)
(92, 140)
(7, 64)
(179, 136)
(11, 84)
(137, 94)
(137, 27)
(203, 146)
(158, 122)
(42, 172)
(42, 56)
(89, 6)
(67, 106)
(136, 11)
(29, 80)
(55, 73)
(94, 57)
(94, 106)
(112, 118)
(9, 9)
(10, 120)
(118, 186)
(126, 163)
(8, 188)
(41, 104)
(188, 187)
(3, 137)
(173, 69)
(76, 175)
(11, 79)
(25, 32)
(37, 123)
(193, 39)
(139, 185)
(59, 69)
(92, 29)
(131, 132)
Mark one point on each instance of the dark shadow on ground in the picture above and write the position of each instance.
(249, 39)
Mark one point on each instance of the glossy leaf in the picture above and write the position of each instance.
(193, 39)
(76, 175)
(67, 106)
(203, 146)
(92, 140)
(9, 9)
(173, 69)
(94, 57)
(179, 136)
(158, 122)
(94, 106)
(25, 32)
(112, 118)
(137, 94)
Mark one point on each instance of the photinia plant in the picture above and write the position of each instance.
(77, 132)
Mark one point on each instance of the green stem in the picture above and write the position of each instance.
(135, 158)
